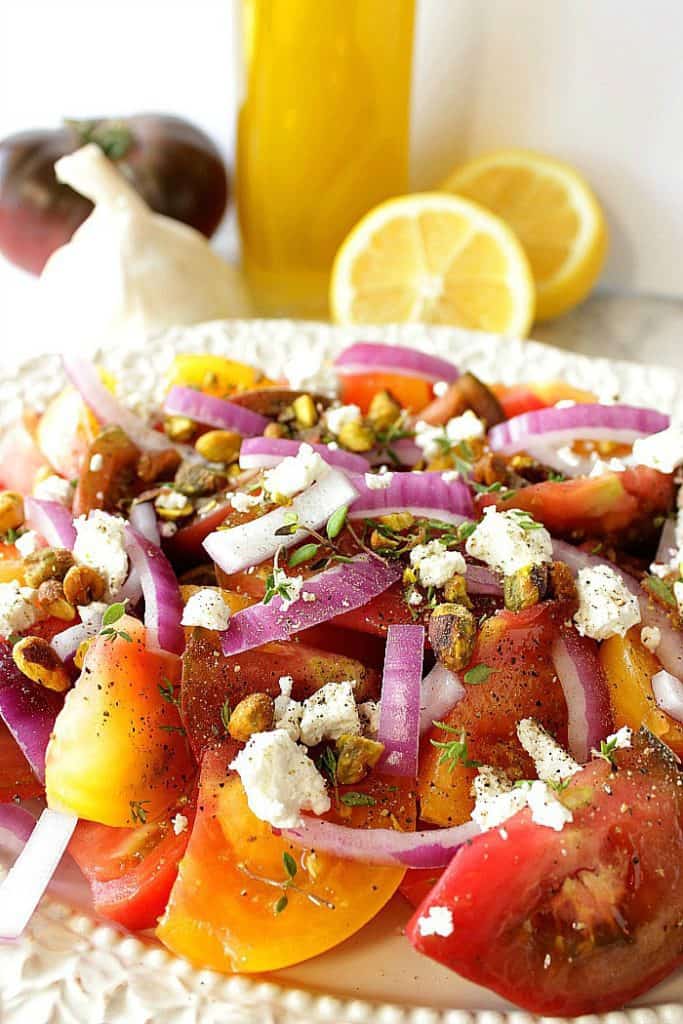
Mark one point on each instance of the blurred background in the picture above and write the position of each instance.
(596, 84)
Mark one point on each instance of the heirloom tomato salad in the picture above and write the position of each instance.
(272, 655)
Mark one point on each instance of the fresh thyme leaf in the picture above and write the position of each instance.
(478, 674)
(11, 535)
(453, 752)
(225, 714)
(335, 524)
(661, 590)
(125, 636)
(353, 799)
(172, 728)
(466, 530)
(113, 613)
(608, 749)
(344, 559)
(138, 812)
(280, 904)
(289, 863)
(167, 691)
(303, 554)
(496, 488)
(290, 525)
(526, 521)
(327, 763)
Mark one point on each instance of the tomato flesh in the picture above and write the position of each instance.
(17, 780)
(360, 388)
(576, 921)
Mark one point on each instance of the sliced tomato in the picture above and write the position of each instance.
(130, 870)
(16, 777)
(520, 683)
(577, 921)
(360, 388)
(417, 885)
(118, 754)
(222, 912)
(517, 399)
(214, 375)
(65, 431)
(210, 678)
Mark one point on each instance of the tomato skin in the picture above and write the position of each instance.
(232, 926)
(417, 884)
(130, 870)
(518, 399)
(516, 897)
(359, 389)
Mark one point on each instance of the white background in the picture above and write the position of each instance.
(598, 82)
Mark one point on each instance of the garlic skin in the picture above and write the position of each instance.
(128, 272)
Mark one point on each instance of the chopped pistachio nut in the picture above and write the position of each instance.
(219, 445)
(305, 411)
(384, 410)
(526, 587)
(253, 714)
(356, 436)
(452, 634)
(179, 428)
(356, 755)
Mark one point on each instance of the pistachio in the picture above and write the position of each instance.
(455, 590)
(255, 713)
(159, 465)
(82, 585)
(219, 445)
(378, 541)
(196, 479)
(384, 410)
(47, 564)
(356, 756)
(526, 587)
(38, 661)
(275, 430)
(397, 521)
(82, 650)
(11, 511)
(305, 411)
(52, 600)
(356, 436)
(452, 633)
(180, 428)
(561, 586)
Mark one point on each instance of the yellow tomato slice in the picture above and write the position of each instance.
(226, 908)
(214, 375)
(118, 754)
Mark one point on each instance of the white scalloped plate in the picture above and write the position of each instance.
(70, 969)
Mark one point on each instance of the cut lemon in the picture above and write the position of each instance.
(553, 212)
(433, 258)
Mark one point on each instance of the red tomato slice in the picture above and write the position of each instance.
(130, 870)
(359, 389)
(16, 776)
(577, 921)
(417, 885)
(517, 399)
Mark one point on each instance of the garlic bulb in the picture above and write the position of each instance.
(128, 272)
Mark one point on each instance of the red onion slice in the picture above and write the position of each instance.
(28, 711)
(667, 547)
(399, 718)
(440, 692)
(143, 518)
(336, 591)
(253, 542)
(52, 521)
(19, 822)
(28, 878)
(481, 580)
(108, 410)
(265, 452)
(213, 412)
(163, 603)
(590, 421)
(433, 849)
(403, 452)
(583, 683)
(426, 495)
(66, 643)
(668, 691)
(370, 357)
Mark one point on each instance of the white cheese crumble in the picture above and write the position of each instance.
(172, 500)
(328, 713)
(295, 473)
(55, 488)
(433, 440)
(662, 451)
(17, 611)
(279, 779)
(242, 502)
(651, 637)
(621, 739)
(678, 594)
(497, 800)
(368, 713)
(600, 467)
(180, 823)
(287, 711)
(27, 543)
(440, 388)
(168, 529)
(505, 541)
(449, 476)
(553, 764)
(606, 606)
(288, 587)
(545, 808)
(437, 921)
(208, 608)
(100, 544)
(341, 415)
(378, 481)
(435, 564)
(96, 462)
(92, 614)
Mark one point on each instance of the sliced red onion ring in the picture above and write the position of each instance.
(399, 717)
(213, 412)
(18, 821)
(107, 409)
(28, 711)
(585, 421)
(66, 643)
(481, 580)
(433, 849)
(584, 686)
(667, 547)
(163, 603)
(336, 591)
(370, 357)
(668, 692)
(143, 518)
(241, 546)
(28, 878)
(403, 452)
(265, 452)
(426, 495)
(52, 521)
(441, 691)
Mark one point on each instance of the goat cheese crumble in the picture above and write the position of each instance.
(606, 606)
(280, 780)
(329, 713)
(100, 544)
(651, 637)
(17, 611)
(509, 541)
(497, 800)
(27, 543)
(662, 451)
(288, 712)
(207, 608)
(295, 473)
(378, 481)
(242, 502)
(341, 415)
(433, 440)
(553, 763)
(55, 488)
(435, 564)
(437, 921)
(180, 823)
(621, 739)
(96, 462)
